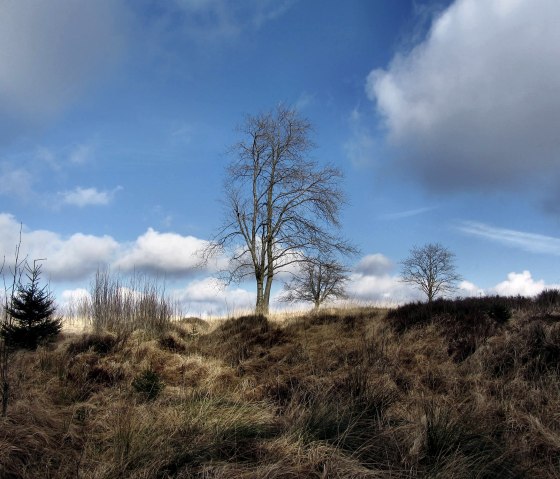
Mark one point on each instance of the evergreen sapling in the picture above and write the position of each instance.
(32, 309)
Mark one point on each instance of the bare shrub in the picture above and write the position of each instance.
(124, 306)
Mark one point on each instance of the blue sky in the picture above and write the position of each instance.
(116, 117)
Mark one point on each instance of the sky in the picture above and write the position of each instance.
(116, 118)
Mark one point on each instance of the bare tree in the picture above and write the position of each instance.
(317, 280)
(279, 205)
(432, 268)
(14, 276)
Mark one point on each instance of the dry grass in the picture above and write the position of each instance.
(339, 394)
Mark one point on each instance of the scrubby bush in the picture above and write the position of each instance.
(101, 343)
(148, 384)
(465, 322)
(548, 300)
(237, 339)
(172, 342)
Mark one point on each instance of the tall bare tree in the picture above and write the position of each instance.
(280, 207)
(317, 280)
(432, 268)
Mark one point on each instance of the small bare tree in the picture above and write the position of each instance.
(431, 268)
(279, 205)
(316, 281)
(15, 272)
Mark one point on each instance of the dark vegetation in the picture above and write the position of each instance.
(31, 312)
(458, 389)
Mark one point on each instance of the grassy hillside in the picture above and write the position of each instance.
(458, 390)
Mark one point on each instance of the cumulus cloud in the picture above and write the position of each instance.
(520, 284)
(66, 258)
(168, 253)
(374, 265)
(211, 297)
(79, 255)
(466, 288)
(69, 296)
(476, 105)
(372, 281)
(516, 284)
(385, 289)
(88, 196)
(52, 50)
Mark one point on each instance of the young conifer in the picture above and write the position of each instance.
(31, 310)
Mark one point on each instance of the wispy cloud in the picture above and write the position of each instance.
(532, 242)
(360, 147)
(16, 182)
(219, 20)
(81, 154)
(408, 213)
(88, 196)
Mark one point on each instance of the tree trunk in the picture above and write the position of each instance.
(266, 297)
(262, 300)
(5, 397)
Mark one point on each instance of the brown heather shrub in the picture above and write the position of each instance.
(172, 342)
(237, 339)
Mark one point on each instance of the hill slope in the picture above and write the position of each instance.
(358, 394)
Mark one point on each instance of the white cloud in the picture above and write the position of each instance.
(164, 253)
(476, 105)
(88, 196)
(371, 281)
(383, 289)
(70, 258)
(52, 50)
(532, 242)
(466, 288)
(69, 296)
(374, 265)
(211, 297)
(520, 284)
(79, 255)
(516, 284)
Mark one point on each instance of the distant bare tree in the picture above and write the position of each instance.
(280, 206)
(432, 268)
(317, 280)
